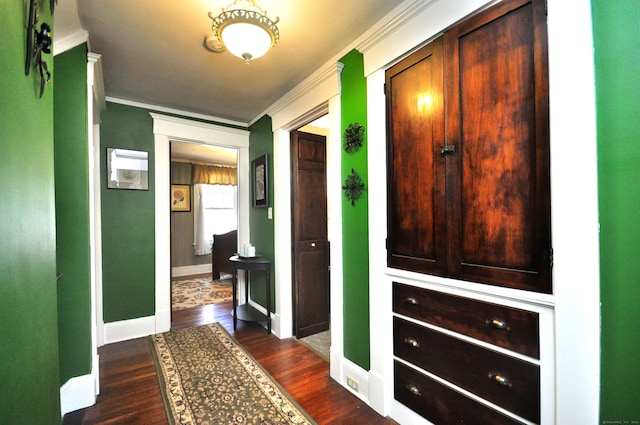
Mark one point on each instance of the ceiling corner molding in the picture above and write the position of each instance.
(69, 42)
(403, 14)
(95, 79)
(175, 111)
(325, 82)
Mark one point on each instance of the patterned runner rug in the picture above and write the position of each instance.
(206, 377)
(195, 292)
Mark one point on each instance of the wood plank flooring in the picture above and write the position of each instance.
(130, 394)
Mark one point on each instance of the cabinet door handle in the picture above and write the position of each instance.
(500, 379)
(411, 300)
(412, 342)
(497, 323)
(447, 150)
(413, 389)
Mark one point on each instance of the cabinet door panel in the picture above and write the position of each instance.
(500, 204)
(416, 174)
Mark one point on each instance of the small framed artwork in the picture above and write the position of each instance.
(180, 197)
(127, 169)
(260, 177)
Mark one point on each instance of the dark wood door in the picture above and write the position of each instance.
(309, 233)
(415, 105)
(469, 187)
(497, 113)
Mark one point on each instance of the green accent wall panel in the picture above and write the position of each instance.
(355, 219)
(617, 65)
(128, 221)
(262, 230)
(72, 213)
(29, 371)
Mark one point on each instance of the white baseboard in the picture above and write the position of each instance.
(79, 392)
(379, 393)
(129, 329)
(190, 270)
(352, 371)
(163, 321)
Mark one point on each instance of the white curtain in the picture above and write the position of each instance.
(201, 243)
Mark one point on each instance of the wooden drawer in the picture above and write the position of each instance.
(440, 404)
(504, 380)
(507, 327)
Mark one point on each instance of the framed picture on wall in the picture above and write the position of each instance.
(180, 197)
(260, 177)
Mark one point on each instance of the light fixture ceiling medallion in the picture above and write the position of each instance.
(245, 29)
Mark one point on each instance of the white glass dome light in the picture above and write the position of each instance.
(245, 40)
(245, 30)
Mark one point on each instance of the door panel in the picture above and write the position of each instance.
(415, 101)
(309, 232)
(496, 105)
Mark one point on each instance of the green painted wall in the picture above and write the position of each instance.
(72, 213)
(355, 223)
(262, 230)
(29, 373)
(128, 221)
(616, 40)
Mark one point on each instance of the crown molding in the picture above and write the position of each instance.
(390, 24)
(176, 112)
(69, 42)
(328, 72)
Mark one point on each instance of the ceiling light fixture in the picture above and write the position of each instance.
(245, 29)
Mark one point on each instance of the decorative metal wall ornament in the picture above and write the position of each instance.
(353, 137)
(38, 42)
(353, 187)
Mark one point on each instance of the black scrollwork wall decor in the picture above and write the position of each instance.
(38, 42)
(353, 187)
(353, 137)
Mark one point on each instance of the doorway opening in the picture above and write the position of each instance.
(206, 222)
(310, 237)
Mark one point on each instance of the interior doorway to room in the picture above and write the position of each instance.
(207, 176)
(310, 244)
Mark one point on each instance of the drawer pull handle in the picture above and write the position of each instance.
(499, 324)
(411, 300)
(500, 379)
(413, 390)
(412, 342)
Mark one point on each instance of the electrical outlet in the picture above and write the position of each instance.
(353, 384)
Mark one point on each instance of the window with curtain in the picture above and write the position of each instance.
(214, 174)
(215, 212)
(215, 200)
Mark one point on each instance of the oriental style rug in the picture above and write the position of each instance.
(207, 378)
(195, 292)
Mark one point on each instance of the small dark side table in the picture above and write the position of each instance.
(246, 312)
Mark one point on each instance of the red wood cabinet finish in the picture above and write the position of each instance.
(441, 404)
(468, 152)
(507, 327)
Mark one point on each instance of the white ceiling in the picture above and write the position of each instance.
(152, 50)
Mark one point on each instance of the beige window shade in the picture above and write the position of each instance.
(214, 174)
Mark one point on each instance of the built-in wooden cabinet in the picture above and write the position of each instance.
(469, 199)
(468, 152)
(442, 334)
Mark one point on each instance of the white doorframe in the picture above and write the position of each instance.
(165, 129)
(319, 95)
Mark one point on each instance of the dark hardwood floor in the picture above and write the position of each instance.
(130, 394)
